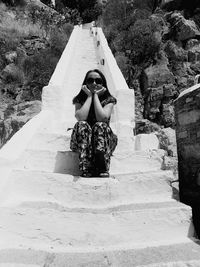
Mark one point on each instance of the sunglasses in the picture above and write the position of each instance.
(92, 80)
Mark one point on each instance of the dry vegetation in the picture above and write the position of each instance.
(18, 27)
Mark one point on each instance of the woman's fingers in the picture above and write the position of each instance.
(101, 91)
(86, 90)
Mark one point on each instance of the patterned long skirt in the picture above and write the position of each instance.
(95, 145)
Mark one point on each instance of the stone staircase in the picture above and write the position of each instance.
(50, 216)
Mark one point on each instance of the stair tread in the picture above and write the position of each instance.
(67, 162)
(175, 255)
(87, 230)
(70, 191)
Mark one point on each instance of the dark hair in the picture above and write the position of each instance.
(82, 96)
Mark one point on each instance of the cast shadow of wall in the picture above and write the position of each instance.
(67, 162)
(175, 195)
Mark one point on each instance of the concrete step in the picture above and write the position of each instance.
(6, 264)
(48, 141)
(117, 192)
(178, 255)
(192, 263)
(67, 162)
(58, 128)
(142, 226)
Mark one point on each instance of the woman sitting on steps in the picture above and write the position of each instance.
(92, 136)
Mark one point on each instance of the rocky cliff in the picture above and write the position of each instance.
(32, 38)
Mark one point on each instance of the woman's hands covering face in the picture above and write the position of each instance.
(86, 90)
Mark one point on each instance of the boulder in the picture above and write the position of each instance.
(146, 126)
(191, 43)
(167, 117)
(195, 67)
(156, 75)
(174, 52)
(170, 163)
(15, 117)
(194, 53)
(167, 138)
(33, 44)
(146, 142)
(169, 91)
(183, 29)
(153, 102)
(179, 68)
(11, 57)
(12, 73)
(182, 82)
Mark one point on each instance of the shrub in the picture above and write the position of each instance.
(122, 62)
(40, 66)
(58, 41)
(91, 14)
(196, 19)
(14, 2)
(16, 76)
(142, 41)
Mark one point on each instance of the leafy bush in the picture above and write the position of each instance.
(17, 76)
(38, 70)
(123, 63)
(40, 66)
(58, 41)
(89, 9)
(131, 31)
(33, 71)
(91, 14)
(142, 41)
(14, 2)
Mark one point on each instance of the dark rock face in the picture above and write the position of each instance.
(157, 83)
(182, 28)
(172, 72)
(14, 117)
(33, 44)
(189, 7)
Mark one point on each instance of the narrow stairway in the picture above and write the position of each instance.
(50, 216)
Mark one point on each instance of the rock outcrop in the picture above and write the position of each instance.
(172, 72)
(14, 117)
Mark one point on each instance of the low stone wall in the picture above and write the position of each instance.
(187, 114)
(124, 113)
(52, 95)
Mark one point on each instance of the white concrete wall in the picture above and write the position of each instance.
(52, 95)
(124, 114)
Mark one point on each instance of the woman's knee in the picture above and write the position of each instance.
(82, 124)
(100, 124)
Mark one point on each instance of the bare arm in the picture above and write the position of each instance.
(102, 113)
(81, 111)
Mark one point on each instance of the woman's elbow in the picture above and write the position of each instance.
(102, 119)
(80, 117)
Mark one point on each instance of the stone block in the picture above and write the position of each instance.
(189, 117)
(182, 134)
(146, 142)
